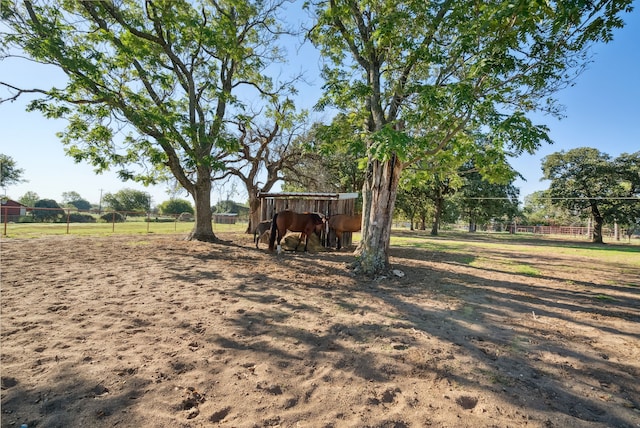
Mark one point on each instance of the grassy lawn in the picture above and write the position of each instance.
(528, 255)
(130, 227)
(455, 240)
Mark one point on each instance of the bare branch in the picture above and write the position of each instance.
(19, 92)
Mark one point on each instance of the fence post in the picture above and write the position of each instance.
(113, 222)
(148, 220)
(68, 218)
(6, 211)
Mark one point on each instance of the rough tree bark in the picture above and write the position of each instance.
(598, 221)
(379, 196)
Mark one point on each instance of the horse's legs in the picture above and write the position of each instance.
(279, 237)
(266, 232)
(305, 233)
(306, 236)
(339, 236)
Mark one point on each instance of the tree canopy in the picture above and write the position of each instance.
(128, 201)
(328, 164)
(29, 199)
(266, 144)
(426, 186)
(151, 85)
(483, 200)
(73, 198)
(9, 171)
(175, 206)
(419, 78)
(585, 179)
(539, 210)
(49, 210)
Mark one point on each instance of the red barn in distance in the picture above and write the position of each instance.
(12, 210)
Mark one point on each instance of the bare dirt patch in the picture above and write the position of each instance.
(155, 331)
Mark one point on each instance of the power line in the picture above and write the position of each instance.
(598, 198)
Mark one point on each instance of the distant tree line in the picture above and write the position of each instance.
(126, 202)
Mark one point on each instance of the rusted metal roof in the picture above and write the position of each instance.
(308, 195)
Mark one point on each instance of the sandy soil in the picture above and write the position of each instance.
(153, 331)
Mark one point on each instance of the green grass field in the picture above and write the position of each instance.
(475, 248)
(130, 227)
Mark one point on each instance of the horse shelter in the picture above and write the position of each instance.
(327, 204)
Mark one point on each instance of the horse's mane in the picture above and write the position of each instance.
(316, 216)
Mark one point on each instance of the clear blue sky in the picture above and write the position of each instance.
(602, 109)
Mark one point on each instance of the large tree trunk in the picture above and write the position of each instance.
(379, 195)
(436, 216)
(254, 211)
(202, 229)
(423, 221)
(598, 221)
(434, 228)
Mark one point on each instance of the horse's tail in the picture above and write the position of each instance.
(272, 238)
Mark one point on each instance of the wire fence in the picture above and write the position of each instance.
(562, 230)
(586, 232)
(572, 232)
(27, 221)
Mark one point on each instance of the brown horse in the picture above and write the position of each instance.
(306, 223)
(263, 227)
(344, 223)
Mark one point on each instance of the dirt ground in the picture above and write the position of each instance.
(154, 331)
